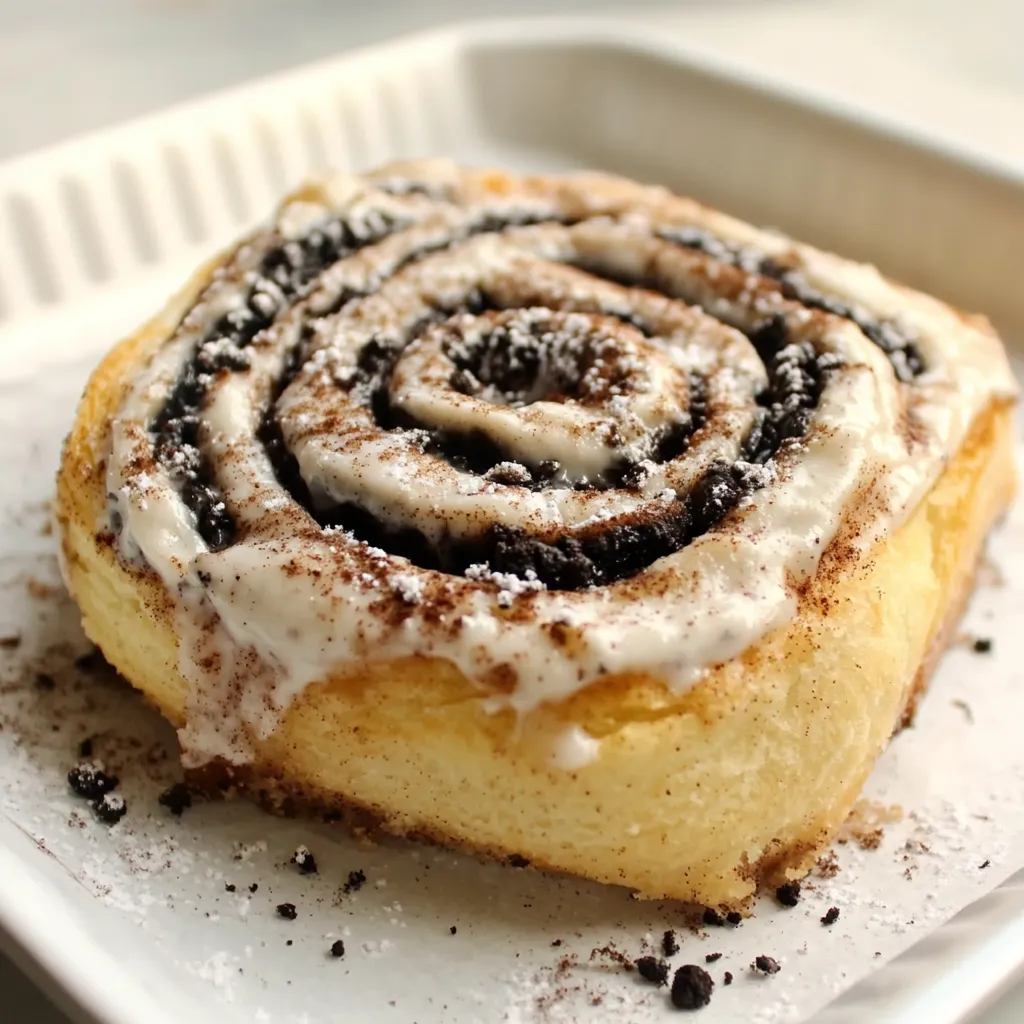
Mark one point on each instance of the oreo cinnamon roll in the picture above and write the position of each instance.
(559, 518)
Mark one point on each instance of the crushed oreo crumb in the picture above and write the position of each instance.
(830, 916)
(90, 781)
(652, 969)
(765, 965)
(734, 917)
(453, 930)
(337, 948)
(984, 864)
(983, 645)
(229, 887)
(669, 943)
(304, 861)
(691, 988)
(710, 958)
(287, 911)
(518, 861)
(356, 880)
(110, 808)
(176, 799)
(254, 887)
(712, 918)
(727, 978)
(788, 894)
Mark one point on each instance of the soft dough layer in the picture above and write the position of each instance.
(698, 796)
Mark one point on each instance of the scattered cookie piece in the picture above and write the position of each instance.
(176, 799)
(337, 948)
(287, 911)
(651, 969)
(304, 860)
(229, 887)
(356, 880)
(831, 916)
(788, 894)
(712, 957)
(669, 943)
(982, 645)
(453, 930)
(691, 988)
(110, 808)
(727, 979)
(712, 918)
(765, 965)
(90, 781)
(734, 917)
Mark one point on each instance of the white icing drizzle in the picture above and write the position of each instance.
(290, 603)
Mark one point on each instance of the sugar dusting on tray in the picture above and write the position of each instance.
(194, 895)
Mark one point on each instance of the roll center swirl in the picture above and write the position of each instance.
(582, 390)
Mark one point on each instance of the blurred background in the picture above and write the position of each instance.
(949, 68)
(68, 66)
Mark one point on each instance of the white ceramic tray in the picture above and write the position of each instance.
(134, 924)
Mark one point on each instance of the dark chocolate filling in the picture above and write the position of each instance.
(284, 274)
(590, 557)
(891, 337)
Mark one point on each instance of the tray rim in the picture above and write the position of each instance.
(113, 998)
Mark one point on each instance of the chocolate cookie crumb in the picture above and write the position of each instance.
(984, 865)
(734, 917)
(304, 861)
(652, 969)
(727, 979)
(712, 957)
(983, 645)
(518, 861)
(356, 880)
(557, 942)
(453, 929)
(831, 916)
(788, 894)
(613, 954)
(90, 781)
(669, 943)
(337, 948)
(712, 918)
(254, 887)
(110, 808)
(229, 887)
(289, 942)
(287, 911)
(85, 747)
(765, 965)
(176, 799)
(691, 988)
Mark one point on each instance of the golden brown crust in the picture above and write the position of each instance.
(700, 795)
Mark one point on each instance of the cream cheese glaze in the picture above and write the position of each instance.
(603, 372)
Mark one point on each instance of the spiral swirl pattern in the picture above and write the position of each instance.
(435, 412)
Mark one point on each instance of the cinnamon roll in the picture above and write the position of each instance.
(559, 518)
